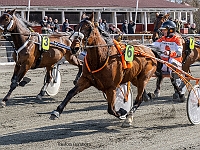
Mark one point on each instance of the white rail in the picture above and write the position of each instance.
(6, 48)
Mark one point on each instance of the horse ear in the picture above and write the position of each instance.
(12, 12)
(92, 17)
(83, 16)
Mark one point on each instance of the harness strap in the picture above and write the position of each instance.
(117, 45)
(23, 46)
(86, 63)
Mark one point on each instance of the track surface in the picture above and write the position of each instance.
(85, 124)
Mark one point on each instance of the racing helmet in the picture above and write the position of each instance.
(169, 25)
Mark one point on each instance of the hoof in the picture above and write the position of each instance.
(179, 99)
(122, 113)
(39, 97)
(128, 121)
(54, 115)
(152, 95)
(2, 104)
(156, 94)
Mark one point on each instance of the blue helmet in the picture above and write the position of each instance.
(169, 25)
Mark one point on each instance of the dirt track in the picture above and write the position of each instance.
(85, 123)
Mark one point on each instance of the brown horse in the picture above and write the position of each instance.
(28, 53)
(160, 18)
(103, 67)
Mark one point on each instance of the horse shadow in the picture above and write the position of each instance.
(161, 100)
(61, 131)
(24, 100)
(89, 108)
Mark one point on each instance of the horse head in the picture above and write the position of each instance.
(7, 21)
(160, 18)
(82, 32)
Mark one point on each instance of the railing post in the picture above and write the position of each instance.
(143, 39)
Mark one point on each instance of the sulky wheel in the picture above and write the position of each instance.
(54, 85)
(193, 108)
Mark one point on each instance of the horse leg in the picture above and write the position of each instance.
(158, 86)
(78, 74)
(72, 59)
(25, 80)
(47, 81)
(16, 78)
(83, 83)
(140, 86)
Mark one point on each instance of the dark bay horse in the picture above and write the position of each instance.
(103, 67)
(160, 18)
(29, 54)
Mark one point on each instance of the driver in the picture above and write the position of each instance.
(171, 49)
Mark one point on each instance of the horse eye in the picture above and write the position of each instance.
(87, 25)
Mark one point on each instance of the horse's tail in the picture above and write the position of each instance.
(158, 72)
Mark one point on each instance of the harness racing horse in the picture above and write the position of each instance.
(103, 67)
(28, 53)
(157, 24)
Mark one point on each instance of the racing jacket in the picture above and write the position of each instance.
(173, 46)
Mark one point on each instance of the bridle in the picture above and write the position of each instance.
(79, 36)
(6, 28)
(9, 25)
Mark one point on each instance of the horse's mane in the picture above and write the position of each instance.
(25, 23)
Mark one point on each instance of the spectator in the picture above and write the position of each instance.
(105, 25)
(49, 31)
(181, 24)
(65, 25)
(56, 25)
(131, 27)
(192, 29)
(51, 23)
(101, 24)
(177, 25)
(43, 22)
(111, 29)
(125, 27)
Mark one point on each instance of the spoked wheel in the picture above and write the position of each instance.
(120, 105)
(193, 110)
(54, 85)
